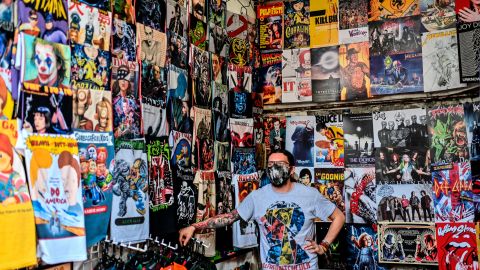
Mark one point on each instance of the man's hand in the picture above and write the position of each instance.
(185, 235)
(313, 247)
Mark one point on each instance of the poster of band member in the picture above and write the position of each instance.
(331, 185)
(244, 234)
(222, 156)
(400, 128)
(472, 120)
(297, 24)
(296, 76)
(468, 40)
(270, 26)
(300, 139)
(220, 112)
(325, 74)
(130, 215)
(390, 9)
(271, 78)
(358, 140)
(438, 17)
(197, 34)
(324, 23)
(92, 110)
(359, 185)
(362, 246)
(241, 131)
(329, 141)
(405, 202)
(123, 36)
(182, 154)
(448, 134)
(217, 35)
(177, 50)
(151, 13)
(303, 175)
(243, 161)
(96, 153)
(176, 18)
(457, 246)
(154, 101)
(452, 193)
(354, 71)
(274, 133)
(202, 144)
(90, 68)
(89, 26)
(152, 45)
(353, 23)
(202, 91)
(338, 248)
(56, 193)
(407, 243)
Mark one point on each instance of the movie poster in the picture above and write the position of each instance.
(202, 144)
(303, 175)
(296, 76)
(437, 16)
(89, 26)
(182, 154)
(472, 121)
(244, 233)
(151, 13)
(124, 35)
(354, 71)
(125, 79)
(237, 32)
(241, 132)
(325, 74)
(403, 165)
(239, 78)
(338, 248)
(270, 26)
(300, 139)
(468, 36)
(96, 154)
(202, 92)
(358, 140)
(243, 161)
(448, 134)
(92, 110)
(176, 18)
(222, 156)
(271, 78)
(324, 23)
(274, 133)
(217, 35)
(390, 9)
(130, 215)
(362, 246)
(153, 46)
(197, 34)
(360, 202)
(90, 68)
(330, 183)
(353, 24)
(220, 112)
(297, 24)
(457, 246)
(329, 141)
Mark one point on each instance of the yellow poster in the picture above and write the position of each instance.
(323, 23)
(391, 9)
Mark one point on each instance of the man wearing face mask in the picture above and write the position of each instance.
(285, 213)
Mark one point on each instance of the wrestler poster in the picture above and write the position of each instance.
(457, 246)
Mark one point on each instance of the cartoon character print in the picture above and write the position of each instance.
(131, 182)
(96, 177)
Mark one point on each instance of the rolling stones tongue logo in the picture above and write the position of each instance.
(460, 248)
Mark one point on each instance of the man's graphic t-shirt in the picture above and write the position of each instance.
(286, 221)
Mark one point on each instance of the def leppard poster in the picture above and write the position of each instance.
(329, 142)
(90, 68)
(270, 26)
(457, 246)
(325, 74)
(354, 71)
(353, 24)
(390, 9)
(360, 206)
(271, 78)
(297, 24)
(296, 76)
(324, 23)
(300, 139)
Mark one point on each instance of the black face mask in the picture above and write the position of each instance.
(278, 175)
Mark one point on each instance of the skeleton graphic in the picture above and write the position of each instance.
(186, 203)
(130, 182)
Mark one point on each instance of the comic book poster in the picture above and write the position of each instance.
(390, 9)
(202, 144)
(151, 13)
(177, 50)
(330, 183)
(54, 175)
(270, 26)
(131, 200)
(329, 141)
(362, 246)
(407, 243)
(153, 46)
(226, 192)
(241, 132)
(182, 154)
(96, 154)
(239, 78)
(217, 35)
(452, 193)
(354, 71)
(400, 128)
(124, 10)
(92, 110)
(127, 117)
(244, 232)
(448, 134)
(202, 91)
(271, 78)
(360, 206)
(468, 36)
(325, 74)
(299, 137)
(457, 246)
(324, 23)
(124, 35)
(353, 24)
(197, 33)
(436, 16)
(179, 101)
(358, 140)
(297, 24)
(243, 161)
(404, 202)
(222, 156)
(441, 70)
(6, 15)
(90, 68)
(304, 175)
(176, 18)
(220, 112)
(89, 26)
(472, 121)
(296, 76)
(274, 133)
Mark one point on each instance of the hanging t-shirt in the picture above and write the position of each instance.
(244, 232)
(130, 215)
(286, 220)
(186, 195)
(96, 151)
(55, 187)
(225, 204)
(206, 207)
(17, 227)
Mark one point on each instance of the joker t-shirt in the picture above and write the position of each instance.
(286, 221)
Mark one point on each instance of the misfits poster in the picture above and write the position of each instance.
(90, 68)
(457, 246)
(300, 139)
(353, 21)
(325, 74)
(296, 76)
(358, 140)
(329, 141)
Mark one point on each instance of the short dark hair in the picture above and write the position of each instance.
(290, 157)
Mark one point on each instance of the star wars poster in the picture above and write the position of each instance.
(353, 24)
(324, 23)
(271, 78)
(241, 132)
(457, 246)
(296, 76)
(127, 117)
(130, 215)
(329, 141)
(217, 35)
(92, 110)
(358, 140)
(391, 9)
(468, 36)
(441, 70)
(300, 139)
(274, 133)
(297, 24)
(472, 121)
(124, 35)
(303, 175)
(354, 71)
(176, 18)
(325, 74)
(407, 244)
(222, 156)
(89, 26)
(202, 92)
(360, 206)
(54, 175)
(270, 26)
(153, 45)
(96, 154)
(448, 134)
(244, 234)
(151, 13)
(90, 68)
(405, 202)
(438, 16)
(182, 154)
(197, 33)
(124, 10)
(330, 184)
(202, 144)
(243, 161)
(362, 246)
(403, 165)
(186, 196)
(220, 112)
